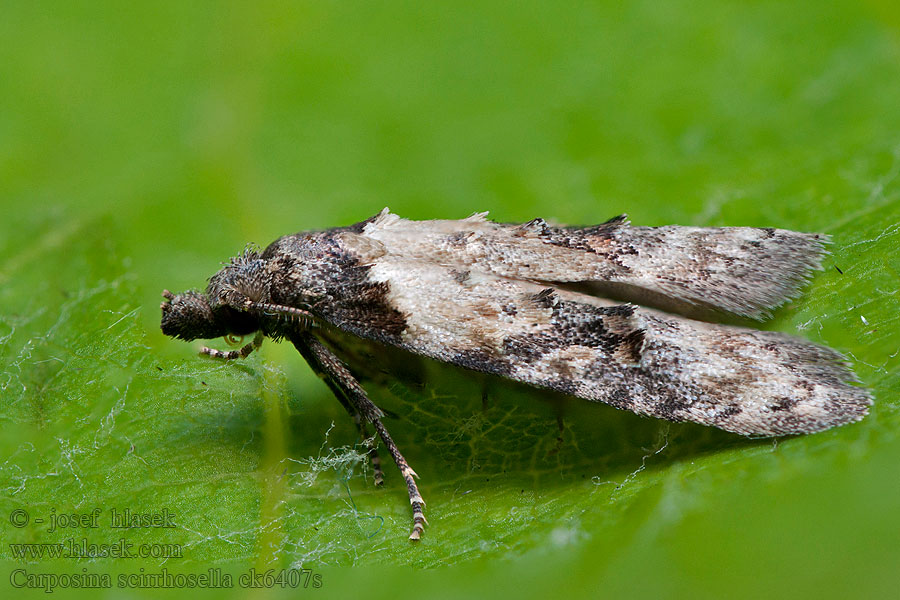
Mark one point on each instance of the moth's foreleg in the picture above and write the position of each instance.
(243, 352)
(342, 383)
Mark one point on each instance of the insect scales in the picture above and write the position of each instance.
(523, 301)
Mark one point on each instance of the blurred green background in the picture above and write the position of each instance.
(142, 145)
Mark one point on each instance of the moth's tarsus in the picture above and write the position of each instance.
(377, 473)
(526, 302)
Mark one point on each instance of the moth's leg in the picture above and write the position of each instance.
(244, 352)
(415, 498)
(561, 425)
(374, 458)
(341, 381)
(485, 394)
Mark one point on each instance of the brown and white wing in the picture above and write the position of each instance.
(742, 380)
(746, 271)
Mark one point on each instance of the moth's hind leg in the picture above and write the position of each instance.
(347, 389)
(243, 352)
(415, 498)
(374, 458)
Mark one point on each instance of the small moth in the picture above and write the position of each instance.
(530, 302)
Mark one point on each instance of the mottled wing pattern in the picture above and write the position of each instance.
(743, 270)
(657, 364)
(742, 380)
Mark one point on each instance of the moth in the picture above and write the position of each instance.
(572, 309)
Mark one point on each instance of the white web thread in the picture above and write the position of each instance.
(664, 438)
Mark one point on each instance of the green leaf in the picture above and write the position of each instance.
(140, 147)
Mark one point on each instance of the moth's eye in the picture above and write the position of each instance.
(234, 340)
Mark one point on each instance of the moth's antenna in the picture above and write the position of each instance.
(303, 317)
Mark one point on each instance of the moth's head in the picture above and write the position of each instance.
(190, 316)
